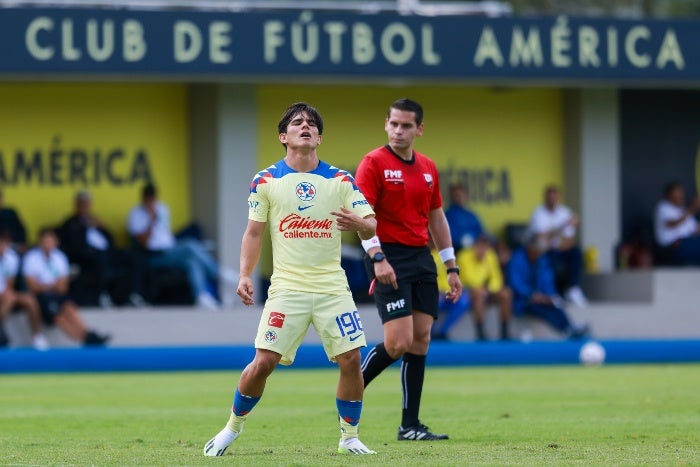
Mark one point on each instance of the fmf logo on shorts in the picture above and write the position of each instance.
(276, 319)
(396, 306)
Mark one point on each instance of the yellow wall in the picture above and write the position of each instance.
(516, 132)
(144, 126)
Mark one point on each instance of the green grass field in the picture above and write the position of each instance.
(612, 415)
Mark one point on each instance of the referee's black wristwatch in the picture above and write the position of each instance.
(454, 269)
(378, 257)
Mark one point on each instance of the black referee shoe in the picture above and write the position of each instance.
(419, 432)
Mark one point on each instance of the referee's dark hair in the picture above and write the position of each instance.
(296, 109)
(407, 105)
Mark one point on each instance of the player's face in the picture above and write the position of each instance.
(302, 132)
(401, 128)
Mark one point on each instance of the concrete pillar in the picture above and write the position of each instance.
(223, 148)
(592, 168)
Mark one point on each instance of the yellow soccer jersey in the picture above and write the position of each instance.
(475, 273)
(305, 238)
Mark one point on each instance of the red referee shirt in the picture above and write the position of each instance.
(402, 194)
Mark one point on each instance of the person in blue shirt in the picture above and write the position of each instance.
(465, 226)
(531, 277)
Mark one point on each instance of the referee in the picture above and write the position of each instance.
(402, 185)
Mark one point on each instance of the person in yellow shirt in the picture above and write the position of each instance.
(481, 275)
(455, 310)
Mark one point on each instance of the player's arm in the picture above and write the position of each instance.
(251, 245)
(440, 233)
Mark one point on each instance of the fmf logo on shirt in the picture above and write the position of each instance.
(393, 175)
(396, 306)
(276, 319)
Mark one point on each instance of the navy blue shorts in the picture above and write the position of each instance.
(416, 275)
(50, 305)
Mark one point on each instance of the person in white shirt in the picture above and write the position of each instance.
(676, 227)
(149, 225)
(555, 225)
(46, 272)
(10, 298)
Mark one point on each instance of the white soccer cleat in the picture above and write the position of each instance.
(218, 444)
(353, 446)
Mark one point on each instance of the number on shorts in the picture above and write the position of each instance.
(349, 323)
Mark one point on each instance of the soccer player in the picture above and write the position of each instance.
(403, 187)
(307, 203)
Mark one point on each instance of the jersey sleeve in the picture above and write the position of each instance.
(354, 199)
(367, 180)
(436, 201)
(258, 202)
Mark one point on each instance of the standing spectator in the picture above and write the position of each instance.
(481, 275)
(307, 203)
(46, 271)
(149, 225)
(403, 187)
(531, 277)
(87, 242)
(556, 225)
(465, 226)
(10, 220)
(10, 298)
(677, 230)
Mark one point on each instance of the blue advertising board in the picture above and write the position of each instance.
(206, 44)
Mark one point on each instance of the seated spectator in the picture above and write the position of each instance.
(465, 226)
(87, 243)
(455, 310)
(149, 225)
(11, 299)
(10, 221)
(676, 228)
(46, 273)
(556, 225)
(481, 275)
(531, 278)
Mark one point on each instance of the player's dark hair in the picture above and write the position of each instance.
(407, 105)
(296, 109)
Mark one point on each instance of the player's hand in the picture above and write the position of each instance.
(245, 290)
(347, 221)
(455, 288)
(385, 274)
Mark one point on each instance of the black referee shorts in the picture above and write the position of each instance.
(416, 275)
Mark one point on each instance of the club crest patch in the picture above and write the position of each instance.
(270, 336)
(306, 191)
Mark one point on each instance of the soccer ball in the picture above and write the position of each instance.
(591, 353)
